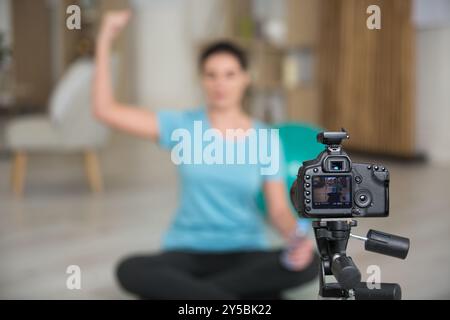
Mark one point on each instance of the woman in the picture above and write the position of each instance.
(216, 247)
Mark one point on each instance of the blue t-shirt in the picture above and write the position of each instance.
(217, 208)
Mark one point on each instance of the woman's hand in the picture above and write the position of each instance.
(300, 250)
(300, 254)
(113, 23)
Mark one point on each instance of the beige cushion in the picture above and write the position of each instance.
(32, 133)
(70, 125)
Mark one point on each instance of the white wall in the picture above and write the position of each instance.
(5, 19)
(163, 57)
(431, 13)
(433, 93)
(432, 18)
(206, 19)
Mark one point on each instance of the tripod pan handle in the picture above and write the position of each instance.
(387, 244)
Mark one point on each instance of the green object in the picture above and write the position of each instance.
(299, 144)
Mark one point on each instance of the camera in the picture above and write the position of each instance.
(332, 186)
(331, 190)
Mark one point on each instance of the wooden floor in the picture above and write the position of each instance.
(59, 223)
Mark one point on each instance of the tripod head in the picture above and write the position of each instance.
(332, 237)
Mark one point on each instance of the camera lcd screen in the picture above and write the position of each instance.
(332, 192)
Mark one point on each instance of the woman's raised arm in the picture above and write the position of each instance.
(130, 119)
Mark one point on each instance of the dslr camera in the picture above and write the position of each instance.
(332, 191)
(331, 186)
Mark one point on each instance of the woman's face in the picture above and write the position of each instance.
(224, 81)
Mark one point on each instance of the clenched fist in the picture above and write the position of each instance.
(113, 23)
(300, 253)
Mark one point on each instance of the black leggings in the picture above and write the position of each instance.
(194, 275)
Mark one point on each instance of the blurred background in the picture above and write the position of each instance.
(74, 193)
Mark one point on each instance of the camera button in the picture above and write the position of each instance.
(307, 193)
(307, 201)
(376, 168)
(315, 170)
(363, 198)
(369, 167)
(358, 179)
(308, 208)
(307, 185)
(307, 177)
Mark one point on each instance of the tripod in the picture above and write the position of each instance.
(332, 236)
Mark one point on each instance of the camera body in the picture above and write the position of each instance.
(331, 186)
